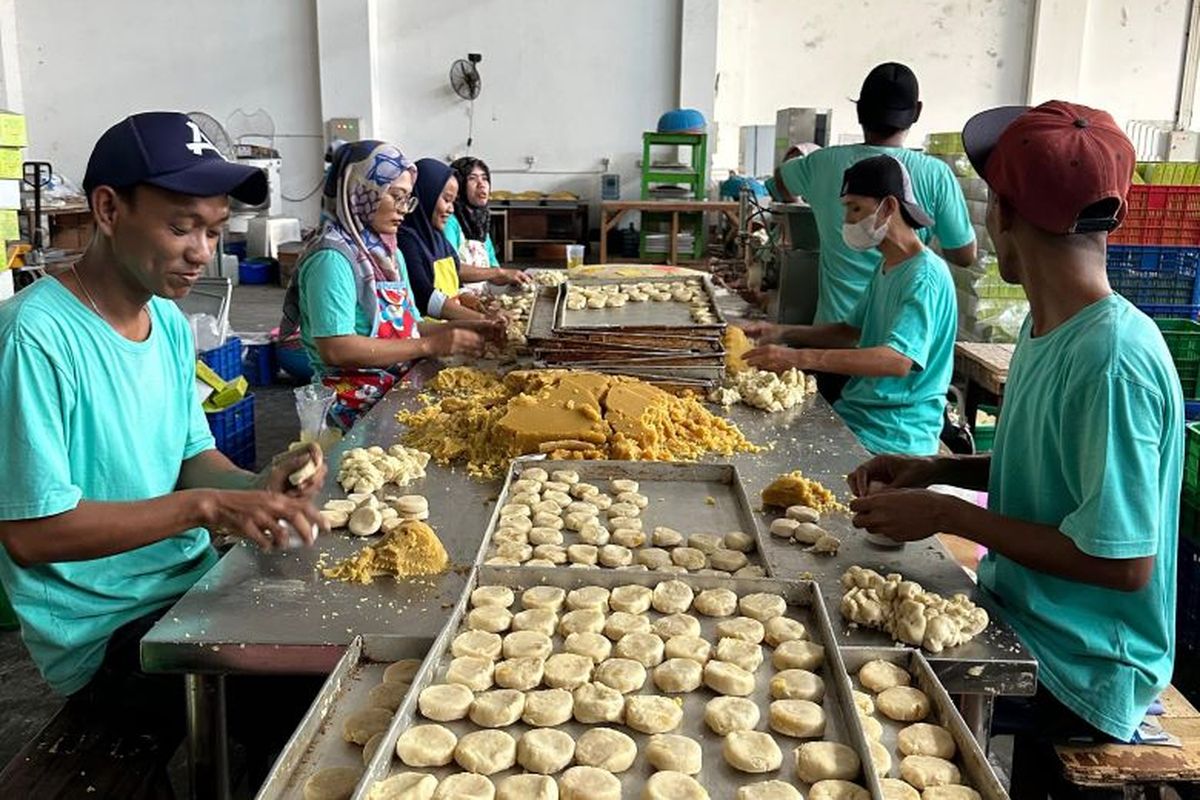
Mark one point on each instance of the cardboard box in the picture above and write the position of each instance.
(12, 160)
(12, 130)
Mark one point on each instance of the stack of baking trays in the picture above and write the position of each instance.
(667, 330)
(593, 683)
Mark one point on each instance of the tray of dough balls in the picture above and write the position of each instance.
(647, 304)
(598, 685)
(329, 750)
(627, 515)
(921, 748)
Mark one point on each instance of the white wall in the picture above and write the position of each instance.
(967, 54)
(85, 65)
(566, 83)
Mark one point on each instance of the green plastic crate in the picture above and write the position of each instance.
(985, 435)
(1191, 462)
(1183, 340)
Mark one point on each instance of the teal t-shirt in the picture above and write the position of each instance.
(454, 234)
(1090, 441)
(90, 415)
(845, 273)
(329, 302)
(911, 309)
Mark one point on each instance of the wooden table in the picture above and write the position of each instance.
(984, 368)
(612, 211)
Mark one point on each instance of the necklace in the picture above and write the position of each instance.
(88, 294)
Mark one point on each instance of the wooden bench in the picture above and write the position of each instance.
(1142, 768)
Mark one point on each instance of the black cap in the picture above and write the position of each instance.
(168, 150)
(885, 176)
(889, 97)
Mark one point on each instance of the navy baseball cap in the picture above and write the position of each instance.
(889, 97)
(168, 150)
(885, 176)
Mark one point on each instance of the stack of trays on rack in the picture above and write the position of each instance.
(663, 330)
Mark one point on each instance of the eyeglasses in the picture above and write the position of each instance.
(404, 202)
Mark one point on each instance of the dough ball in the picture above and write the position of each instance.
(808, 533)
(633, 499)
(923, 739)
(872, 728)
(536, 474)
(751, 571)
(752, 751)
(768, 790)
(629, 524)
(372, 747)
(623, 674)
(594, 535)
(593, 645)
(746, 655)
(578, 520)
(652, 714)
(707, 543)
(728, 679)
(690, 647)
(388, 695)
(560, 499)
(498, 708)
(631, 599)
(516, 510)
(678, 675)
(514, 552)
(516, 522)
(797, 684)
(567, 476)
(620, 624)
(588, 597)
(402, 671)
(672, 597)
(509, 536)
(524, 484)
(881, 759)
(556, 486)
(716, 603)
(475, 643)
(596, 702)
(465, 786)
(820, 761)
(426, 746)
(762, 606)
(614, 555)
(332, 783)
(903, 704)
(778, 630)
(601, 501)
(492, 619)
(545, 535)
(527, 644)
(689, 558)
(723, 715)
(864, 702)
(492, 596)
(619, 485)
(445, 702)
(671, 785)
(670, 751)
(744, 628)
(894, 789)
(581, 507)
(739, 541)
(728, 560)
(627, 510)
(527, 787)
(783, 528)
(588, 783)
(567, 671)
(583, 554)
(837, 790)
(645, 648)
(803, 514)
(923, 772)
(471, 671)
(582, 490)
(550, 597)
(542, 620)
(666, 537)
(520, 673)
(581, 620)
(950, 793)
(802, 719)
(798, 655)
(486, 752)
(545, 751)
(605, 748)
(547, 708)
(626, 536)
(878, 675)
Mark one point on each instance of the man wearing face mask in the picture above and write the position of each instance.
(897, 344)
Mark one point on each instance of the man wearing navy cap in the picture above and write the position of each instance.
(1083, 483)
(111, 476)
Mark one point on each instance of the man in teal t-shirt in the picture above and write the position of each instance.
(897, 344)
(1083, 484)
(888, 105)
(111, 474)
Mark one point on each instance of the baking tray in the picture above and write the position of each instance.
(679, 495)
(648, 316)
(317, 742)
(972, 763)
(721, 780)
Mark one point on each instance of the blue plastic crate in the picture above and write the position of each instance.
(225, 360)
(260, 364)
(1169, 312)
(1152, 276)
(233, 428)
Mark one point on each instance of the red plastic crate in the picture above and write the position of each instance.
(1166, 215)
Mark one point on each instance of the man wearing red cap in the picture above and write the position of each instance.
(1083, 484)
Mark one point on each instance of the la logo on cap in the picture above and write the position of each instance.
(199, 142)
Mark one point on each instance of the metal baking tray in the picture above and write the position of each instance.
(972, 763)
(721, 780)
(648, 316)
(317, 742)
(691, 498)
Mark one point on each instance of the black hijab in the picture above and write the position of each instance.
(475, 220)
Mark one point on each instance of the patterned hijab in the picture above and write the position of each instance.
(475, 220)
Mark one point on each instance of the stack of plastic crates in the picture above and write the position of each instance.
(1162, 215)
(1160, 280)
(1183, 340)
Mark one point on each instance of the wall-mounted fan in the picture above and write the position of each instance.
(466, 83)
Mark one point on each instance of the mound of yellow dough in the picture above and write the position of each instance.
(411, 549)
(793, 489)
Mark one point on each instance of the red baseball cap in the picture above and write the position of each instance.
(1064, 167)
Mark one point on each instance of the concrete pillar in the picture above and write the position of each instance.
(11, 97)
(1056, 50)
(348, 56)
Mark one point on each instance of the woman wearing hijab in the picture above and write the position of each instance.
(350, 304)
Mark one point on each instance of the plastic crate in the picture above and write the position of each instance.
(985, 435)
(1156, 276)
(1187, 603)
(1191, 463)
(233, 428)
(1160, 215)
(260, 364)
(225, 360)
(1183, 340)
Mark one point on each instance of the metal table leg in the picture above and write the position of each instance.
(208, 745)
(977, 713)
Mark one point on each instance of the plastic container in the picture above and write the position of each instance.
(1183, 340)
(260, 364)
(233, 428)
(1154, 276)
(985, 435)
(257, 271)
(225, 360)
(574, 256)
(1160, 215)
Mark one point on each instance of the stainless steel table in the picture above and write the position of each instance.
(273, 613)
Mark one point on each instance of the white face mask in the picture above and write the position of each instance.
(865, 234)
